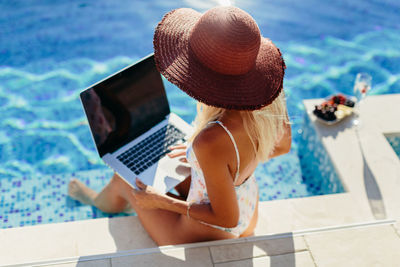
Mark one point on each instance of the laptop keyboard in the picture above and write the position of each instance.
(144, 154)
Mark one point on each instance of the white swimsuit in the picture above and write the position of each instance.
(246, 193)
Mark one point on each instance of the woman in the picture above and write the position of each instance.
(220, 59)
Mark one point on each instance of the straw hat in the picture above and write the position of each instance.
(219, 57)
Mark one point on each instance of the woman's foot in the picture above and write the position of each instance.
(79, 191)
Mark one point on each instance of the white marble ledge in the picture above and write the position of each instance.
(71, 239)
(374, 246)
(268, 247)
(366, 163)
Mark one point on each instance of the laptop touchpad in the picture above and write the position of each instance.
(175, 171)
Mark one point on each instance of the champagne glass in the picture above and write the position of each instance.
(362, 85)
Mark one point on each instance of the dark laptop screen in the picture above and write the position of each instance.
(125, 105)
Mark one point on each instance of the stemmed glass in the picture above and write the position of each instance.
(362, 85)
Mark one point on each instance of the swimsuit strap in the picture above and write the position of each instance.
(234, 144)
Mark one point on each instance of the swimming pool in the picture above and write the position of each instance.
(50, 51)
(394, 141)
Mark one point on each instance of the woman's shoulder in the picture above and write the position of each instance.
(212, 138)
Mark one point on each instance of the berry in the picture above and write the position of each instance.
(349, 103)
(326, 111)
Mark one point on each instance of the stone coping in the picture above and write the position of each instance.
(43, 258)
(366, 164)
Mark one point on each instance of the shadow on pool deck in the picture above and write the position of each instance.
(328, 130)
(273, 252)
(372, 190)
(135, 248)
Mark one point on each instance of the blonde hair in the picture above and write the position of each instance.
(264, 126)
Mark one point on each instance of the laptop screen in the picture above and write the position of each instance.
(125, 105)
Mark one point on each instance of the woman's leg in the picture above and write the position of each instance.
(170, 228)
(167, 228)
(173, 229)
(108, 200)
(183, 187)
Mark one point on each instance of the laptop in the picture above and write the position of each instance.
(132, 126)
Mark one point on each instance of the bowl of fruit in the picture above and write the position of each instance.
(334, 109)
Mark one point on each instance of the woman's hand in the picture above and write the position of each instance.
(182, 152)
(146, 196)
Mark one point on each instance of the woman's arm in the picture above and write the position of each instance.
(147, 197)
(212, 153)
(285, 142)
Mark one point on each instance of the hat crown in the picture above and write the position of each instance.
(226, 40)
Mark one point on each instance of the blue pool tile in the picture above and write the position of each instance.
(39, 159)
(394, 141)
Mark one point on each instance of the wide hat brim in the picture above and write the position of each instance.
(175, 61)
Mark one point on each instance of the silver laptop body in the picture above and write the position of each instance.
(132, 126)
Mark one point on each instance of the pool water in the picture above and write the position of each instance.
(51, 50)
(394, 141)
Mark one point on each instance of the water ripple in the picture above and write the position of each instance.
(46, 104)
